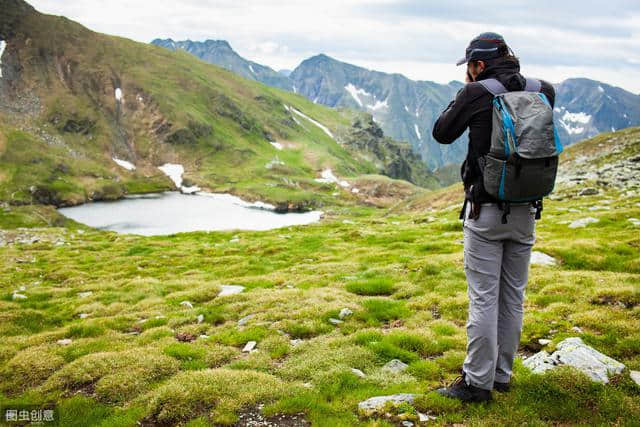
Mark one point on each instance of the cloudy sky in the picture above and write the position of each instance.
(421, 39)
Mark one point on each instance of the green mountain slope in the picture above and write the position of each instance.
(72, 100)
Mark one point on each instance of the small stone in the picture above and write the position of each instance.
(65, 341)
(540, 258)
(635, 221)
(249, 346)
(18, 296)
(344, 313)
(358, 372)
(335, 321)
(589, 191)
(578, 329)
(245, 319)
(544, 341)
(230, 290)
(186, 304)
(295, 342)
(583, 222)
(395, 366)
(635, 376)
(200, 318)
(84, 294)
(83, 315)
(374, 404)
(407, 423)
(203, 336)
(423, 418)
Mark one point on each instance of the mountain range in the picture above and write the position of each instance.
(87, 116)
(406, 109)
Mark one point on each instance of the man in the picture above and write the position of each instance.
(496, 254)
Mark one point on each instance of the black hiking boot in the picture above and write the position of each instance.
(459, 389)
(501, 387)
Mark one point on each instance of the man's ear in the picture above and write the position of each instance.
(481, 66)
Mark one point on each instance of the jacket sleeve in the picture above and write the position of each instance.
(454, 119)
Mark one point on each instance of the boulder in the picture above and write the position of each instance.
(374, 404)
(395, 366)
(574, 352)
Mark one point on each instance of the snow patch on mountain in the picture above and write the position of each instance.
(251, 68)
(574, 123)
(174, 172)
(355, 91)
(294, 89)
(127, 165)
(600, 89)
(378, 105)
(328, 176)
(118, 94)
(320, 125)
(406, 108)
(3, 45)
(415, 127)
(576, 117)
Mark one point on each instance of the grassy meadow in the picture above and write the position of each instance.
(138, 355)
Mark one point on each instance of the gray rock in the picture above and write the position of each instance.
(295, 342)
(395, 366)
(245, 319)
(200, 318)
(344, 313)
(540, 258)
(335, 321)
(186, 304)
(84, 294)
(65, 341)
(358, 372)
(16, 296)
(230, 290)
(374, 404)
(248, 347)
(578, 329)
(583, 222)
(544, 341)
(423, 418)
(407, 423)
(83, 315)
(589, 191)
(573, 352)
(635, 376)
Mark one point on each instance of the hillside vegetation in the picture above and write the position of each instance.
(71, 100)
(104, 331)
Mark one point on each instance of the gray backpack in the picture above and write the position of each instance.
(522, 162)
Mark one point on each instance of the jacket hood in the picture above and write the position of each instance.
(507, 72)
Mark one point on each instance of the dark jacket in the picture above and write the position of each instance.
(472, 108)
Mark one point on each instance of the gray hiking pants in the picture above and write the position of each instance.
(496, 263)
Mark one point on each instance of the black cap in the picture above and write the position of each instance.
(485, 46)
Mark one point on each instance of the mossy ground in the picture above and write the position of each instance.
(400, 272)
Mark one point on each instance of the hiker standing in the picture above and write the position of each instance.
(498, 231)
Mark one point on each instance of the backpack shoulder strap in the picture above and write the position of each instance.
(493, 86)
(533, 85)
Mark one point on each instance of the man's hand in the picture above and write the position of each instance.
(468, 78)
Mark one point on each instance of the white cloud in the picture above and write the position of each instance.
(419, 39)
